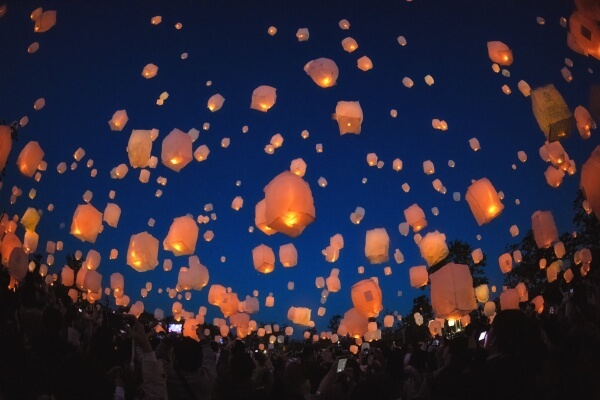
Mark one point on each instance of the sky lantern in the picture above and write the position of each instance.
(433, 247)
(289, 205)
(500, 53)
(349, 116)
(509, 300)
(299, 315)
(182, 236)
(544, 229)
(366, 297)
(590, 181)
(201, 153)
(92, 259)
(323, 71)
(505, 262)
(237, 203)
(364, 63)
(435, 327)
(302, 34)
(333, 281)
(377, 246)
(92, 281)
(415, 217)
(418, 276)
(112, 213)
(87, 222)
(263, 259)
(5, 144)
(551, 112)
(355, 323)
(149, 71)
(344, 24)
(10, 241)
(117, 284)
(477, 255)
(30, 157)
(349, 44)
(288, 255)
(452, 293)
(270, 300)
(229, 304)
(139, 148)
(298, 167)
(176, 150)
(30, 219)
(17, 264)
(142, 254)
(67, 276)
(482, 293)
(584, 34)
(215, 102)
(484, 201)
(44, 21)
(538, 304)
(584, 122)
(263, 98)
(30, 241)
(118, 120)
(260, 219)
(215, 294)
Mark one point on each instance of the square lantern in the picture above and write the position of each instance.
(584, 31)
(299, 315)
(263, 258)
(544, 229)
(433, 247)
(182, 236)
(118, 120)
(418, 276)
(289, 204)
(415, 217)
(142, 254)
(112, 213)
(333, 284)
(67, 276)
(176, 150)
(377, 246)
(484, 201)
(87, 222)
(229, 304)
(30, 158)
(288, 255)
(263, 98)
(139, 148)
(552, 113)
(215, 294)
(366, 297)
(452, 294)
(349, 116)
(323, 71)
(590, 181)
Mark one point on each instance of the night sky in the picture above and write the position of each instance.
(89, 65)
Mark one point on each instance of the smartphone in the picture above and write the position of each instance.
(341, 365)
(175, 328)
(436, 342)
(482, 335)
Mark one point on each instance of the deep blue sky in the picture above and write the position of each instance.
(89, 65)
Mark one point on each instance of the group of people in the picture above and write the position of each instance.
(52, 348)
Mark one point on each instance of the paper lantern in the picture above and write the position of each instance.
(367, 298)
(118, 120)
(17, 263)
(139, 148)
(92, 281)
(201, 153)
(30, 157)
(87, 222)
(349, 44)
(302, 34)
(584, 122)
(584, 32)
(388, 321)
(559, 249)
(377, 245)
(505, 262)
(552, 113)
(229, 304)
(263, 259)
(364, 63)
(590, 181)
(433, 247)
(67, 276)
(149, 71)
(323, 71)
(92, 260)
(289, 205)
(263, 98)
(489, 309)
(299, 315)
(182, 236)
(484, 201)
(538, 304)
(260, 219)
(418, 276)
(215, 102)
(30, 219)
(333, 284)
(288, 255)
(415, 217)
(544, 229)
(482, 293)
(5, 144)
(142, 253)
(435, 327)
(215, 294)
(509, 300)
(355, 323)
(500, 53)
(298, 167)
(522, 292)
(195, 277)
(477, 256)
(349, 116)
(428, 167)
(452, 291)
(176, 150)
(111, 215)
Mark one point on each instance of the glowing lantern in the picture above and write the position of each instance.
(344, 24)
(538, 304)
(415, 217)
(522, 292)
(355, 323)
(263, 259)
(67, 276)
(474, 143)
(366, 297)
(489, 309)
(142, 254)
(289, 205)
(30, 219)
(298, 167)
(30, 241)
(30, 157)
(590, 181)
(433, 247)
(5, 144)
(44, 21)
(87, 222)
(302, 34)
(349, 116)
(584, 122)
(388, 321)
(237, 203)
(201, 153)
(406, 81)
(544, 229)
(505, 262)
(229, 304)
(333, 282)
(349, 44)
(364, 63)
(182, 236)
(112, 213)
(149, 71)
(299, 315)
(482, 293)
(263, 98)
(118, 120)
(176, 150)
(323, 71)
(452, 291)
(139, 148)
(215, 294)
(215, 102)
(92, 281)
(377, 244)
(435, 327)
(552, 113)
(484, 201)
(500, 53)
(509, 300)
(477, 256)
(418, 276)
(288, 255)
(320, 282)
